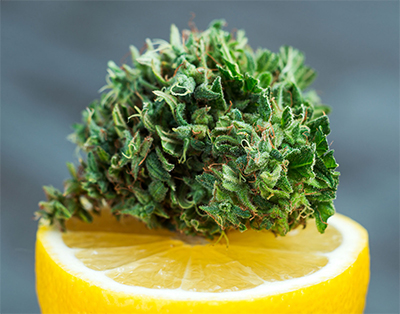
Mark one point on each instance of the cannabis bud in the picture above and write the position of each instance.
(202, 135)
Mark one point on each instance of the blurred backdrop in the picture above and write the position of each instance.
(53, 62)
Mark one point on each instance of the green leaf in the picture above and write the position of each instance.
(273, 194)
(183, 85)
(329, 160)
(119, 121)
(103, 155)
(218, 103)
(51, 192)
(71, 187)
(158, 190)
(323, 212)
(206, 180)
(270, 178)
(201, 116)
(249, 83)
(155, 169)
(141, 195)
(216, 214)
(301, 162)
(267, 61)
(283, 184)
(165, 164)
(321, 123)
(85, 216)
(233, 68)
(264, 107)
(160, 211)
(275, 154)
(265, 79)
(244, 197)
(217, 24)
(169, 99)
(251, 64)
(169, 143)
(293, 68)
(182, 199)
(176, 39)
(204, 93)
(287, 118)
(92, 164)
(322, 173)
(321, 142)
(62, 211)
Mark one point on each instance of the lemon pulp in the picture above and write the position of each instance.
(131, 255)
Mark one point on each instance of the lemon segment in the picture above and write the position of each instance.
(164, 270)
(111, 258)
(212, 271)
(275, 265)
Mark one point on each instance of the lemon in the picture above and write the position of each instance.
(121, 267)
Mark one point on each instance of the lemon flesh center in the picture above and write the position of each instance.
(132, 255)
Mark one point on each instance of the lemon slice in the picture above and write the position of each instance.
(121, 267)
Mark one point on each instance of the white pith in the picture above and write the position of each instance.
(339, 260)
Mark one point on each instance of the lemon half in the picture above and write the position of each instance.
(121, 267)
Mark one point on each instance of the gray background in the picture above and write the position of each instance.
(54, 57)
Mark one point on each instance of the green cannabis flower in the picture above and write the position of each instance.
(203, 135)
